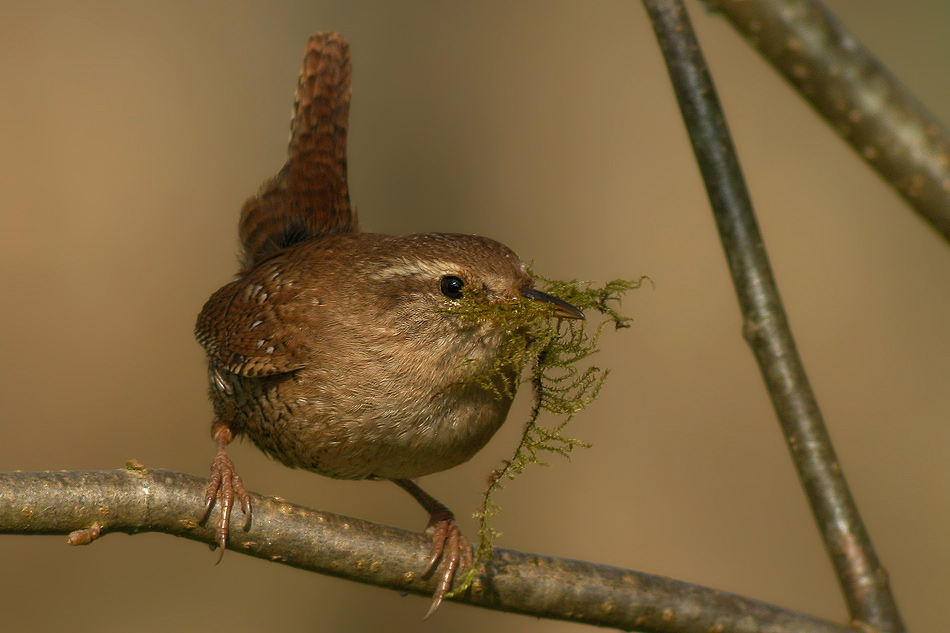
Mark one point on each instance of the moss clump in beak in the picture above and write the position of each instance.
(547, 330)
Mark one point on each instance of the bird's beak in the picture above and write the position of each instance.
(562, 309)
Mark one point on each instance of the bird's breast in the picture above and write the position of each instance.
(378, 408)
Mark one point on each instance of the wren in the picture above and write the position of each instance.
(332, 349)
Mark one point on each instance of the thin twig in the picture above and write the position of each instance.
(884, 123)
(766, 328)
(92, 504)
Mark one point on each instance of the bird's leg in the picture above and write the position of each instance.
(226, 485)
(448, 542)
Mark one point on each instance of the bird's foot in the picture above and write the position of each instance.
(227, 486)
(449, 545)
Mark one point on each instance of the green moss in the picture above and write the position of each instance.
(555, 350)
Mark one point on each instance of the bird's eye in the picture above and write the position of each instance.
(451, 287)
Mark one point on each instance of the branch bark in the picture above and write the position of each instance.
(882, 121)
(765, 325)
(135, 500)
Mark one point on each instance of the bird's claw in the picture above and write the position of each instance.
(451, 546)
(225, 485)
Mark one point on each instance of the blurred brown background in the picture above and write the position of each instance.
(132, 133)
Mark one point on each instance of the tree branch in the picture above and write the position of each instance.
(884, 123)
(138, 500)
(765, 325)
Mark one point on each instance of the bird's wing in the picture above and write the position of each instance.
(254, 325)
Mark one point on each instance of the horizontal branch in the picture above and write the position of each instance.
(138, 500)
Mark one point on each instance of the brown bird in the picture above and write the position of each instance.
(333, 350)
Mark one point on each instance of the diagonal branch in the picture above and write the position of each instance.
(766, 329)
(884, 123)
(138, 500)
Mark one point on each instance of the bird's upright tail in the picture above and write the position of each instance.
(308, 197)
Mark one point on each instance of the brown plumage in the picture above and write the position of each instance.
(336, 355)
(309, 196)
(332, 349)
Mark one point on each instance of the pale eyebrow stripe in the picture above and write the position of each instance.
(412, 269)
